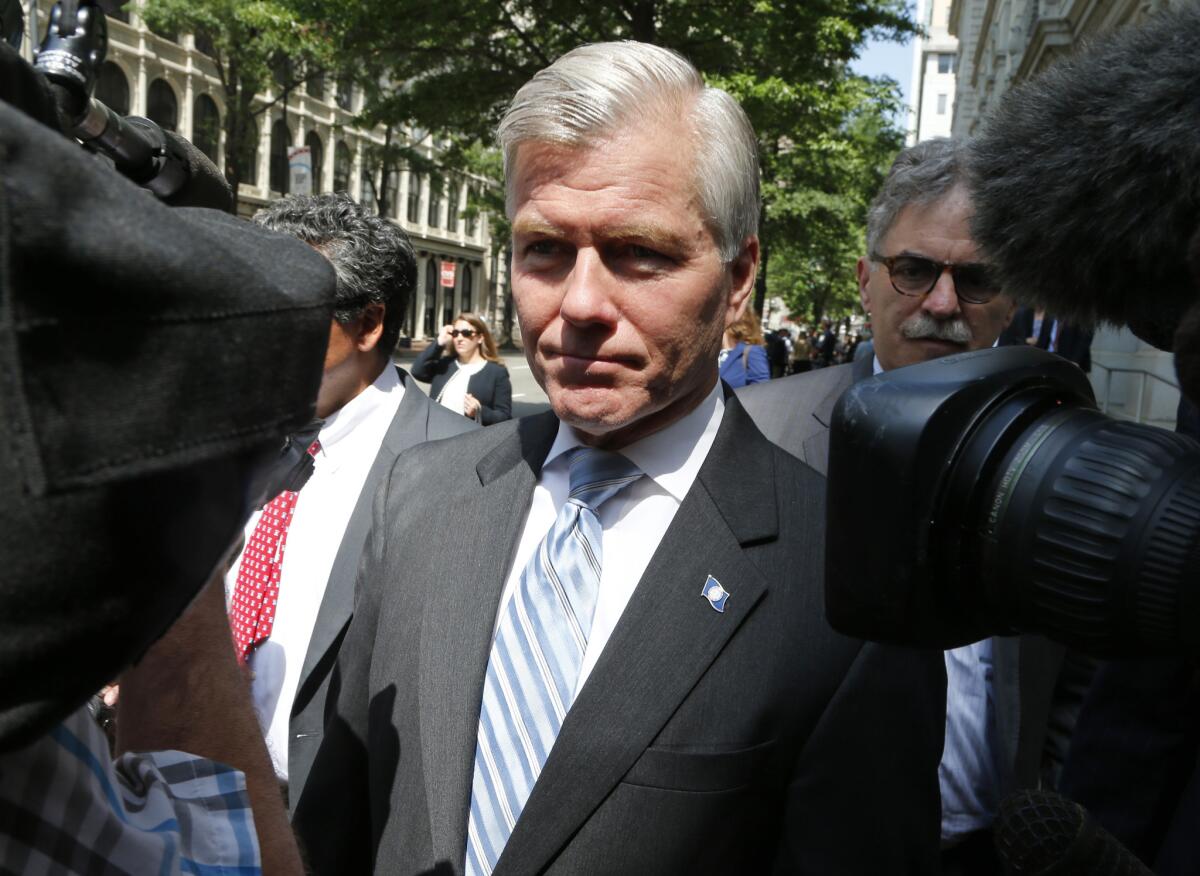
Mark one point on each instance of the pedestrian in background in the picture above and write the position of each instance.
(465, 372)
(743, 359)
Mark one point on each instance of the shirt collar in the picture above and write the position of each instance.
(672, 456)
(349, 416)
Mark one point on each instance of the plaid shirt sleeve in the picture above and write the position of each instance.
(66, 807)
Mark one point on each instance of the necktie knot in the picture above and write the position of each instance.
(598, 475)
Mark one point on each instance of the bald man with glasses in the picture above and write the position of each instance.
(929, 293)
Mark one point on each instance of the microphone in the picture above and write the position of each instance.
(1040, 833)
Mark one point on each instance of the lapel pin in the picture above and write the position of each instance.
(716, 595)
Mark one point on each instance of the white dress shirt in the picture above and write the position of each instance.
(350, 441)
(633, 521)
(454, 393)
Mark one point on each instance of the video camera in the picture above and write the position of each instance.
(997, 498)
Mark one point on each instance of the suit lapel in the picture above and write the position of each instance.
(409, 427)
(816, 446)
(456, 627)
(665, 641)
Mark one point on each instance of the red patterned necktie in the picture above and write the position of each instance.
(252, 609)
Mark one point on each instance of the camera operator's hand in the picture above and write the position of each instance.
(189, 694)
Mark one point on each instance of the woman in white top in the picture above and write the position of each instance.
(465, 372)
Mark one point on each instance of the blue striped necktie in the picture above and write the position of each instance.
(534, 665)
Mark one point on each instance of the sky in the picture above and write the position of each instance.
(882, 58)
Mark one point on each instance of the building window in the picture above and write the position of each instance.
(472, 218)
(120, 13)
(317, 153)
(341, 167)
(204, 43)
(316, 85)
(112, 88)
(345, 93)
(447, 293)
(946, 62)
(414, 197)
(941, 105)
(206, 126)
(464, 289)
(391, 192)
(452, 207)
(431, 287)
(161, 106)
(366, 191)
(281, 139)
(435, 206)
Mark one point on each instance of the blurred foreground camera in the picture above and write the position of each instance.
(995, 498)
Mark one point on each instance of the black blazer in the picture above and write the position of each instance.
(491, 385)
(741, 742)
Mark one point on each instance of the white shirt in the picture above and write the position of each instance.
(454, 393)
(633, 521)
(350, 441)
(968, 775)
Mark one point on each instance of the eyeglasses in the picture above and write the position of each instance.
(916, 276)
(466, 333)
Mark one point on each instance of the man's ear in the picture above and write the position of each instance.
(742, 272)
(369, 327)
(863, 271)
(1012, 311)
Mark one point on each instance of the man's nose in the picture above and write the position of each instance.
(942, 300)
(587, 298)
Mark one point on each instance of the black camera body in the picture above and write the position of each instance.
(997, 499)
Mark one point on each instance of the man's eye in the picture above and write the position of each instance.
(542, 247)
(645, 253)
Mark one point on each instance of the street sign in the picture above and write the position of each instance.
(448, 272)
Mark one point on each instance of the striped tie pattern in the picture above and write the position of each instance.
(539, 646)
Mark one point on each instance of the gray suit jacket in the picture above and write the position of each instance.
(417, 420)
(795, 413)
(702, 742)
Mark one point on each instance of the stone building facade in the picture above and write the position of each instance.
(935, 60)
(169, 79)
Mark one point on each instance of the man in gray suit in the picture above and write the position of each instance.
(928, 296)
(371, 411)
(598, 646)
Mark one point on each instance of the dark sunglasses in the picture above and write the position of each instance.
(466, 333)
(914, 275)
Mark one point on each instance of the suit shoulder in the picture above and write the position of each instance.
(445, 423)
(757, 397)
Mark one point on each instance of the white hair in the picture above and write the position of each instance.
(598, 90)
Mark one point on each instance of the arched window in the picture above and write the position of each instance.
(341, 167)
(464, 289)
(206, 126)
(112, 88)
(248, 155)
(313, 141)
(345, 93)
(281, 139)
(161, 106)
(431, 287)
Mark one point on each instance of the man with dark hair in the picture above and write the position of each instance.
(291, 591)
(929, 295)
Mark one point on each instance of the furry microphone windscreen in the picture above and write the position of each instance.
(1086, 179)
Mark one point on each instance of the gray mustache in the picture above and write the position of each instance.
(922, 325)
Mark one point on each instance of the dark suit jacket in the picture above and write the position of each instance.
(795, 414)
(702, 742)
(417, 420)
(491, 385)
